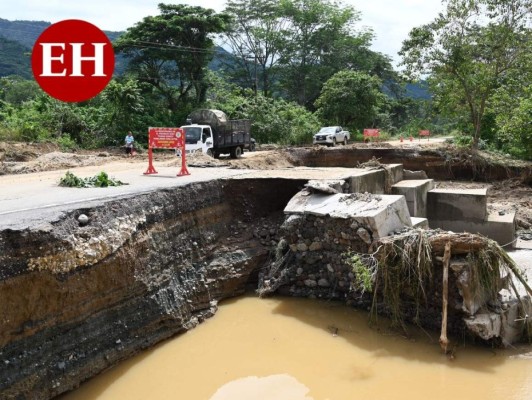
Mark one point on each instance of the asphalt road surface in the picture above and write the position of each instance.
(29, 199)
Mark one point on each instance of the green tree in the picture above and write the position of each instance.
(321, 40)
(171, 51)
(350, 98)
(515, 122)
(17, 90)
(123, 99)
(469, 51)
(256, 36)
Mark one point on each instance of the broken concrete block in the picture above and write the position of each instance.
(381, 214)
(422, 223)
(509, 325)
(395, 172)
(512, 321)
(456, 205)
(415, 192)
(328, 186)
(370, 181)
(500, 228)
(486, 325)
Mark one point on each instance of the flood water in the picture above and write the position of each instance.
(300, 349)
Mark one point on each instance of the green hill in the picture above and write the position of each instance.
(17, 39)
(23, 32)
(14, 59)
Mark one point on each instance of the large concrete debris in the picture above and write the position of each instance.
(381, 214)
(324, 224)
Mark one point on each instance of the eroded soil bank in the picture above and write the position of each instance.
(78, 299)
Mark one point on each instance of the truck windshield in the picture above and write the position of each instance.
(328, 129)
(192, 134)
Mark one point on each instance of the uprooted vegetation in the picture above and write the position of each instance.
(402, 276)
(100, 180)
(402, 266)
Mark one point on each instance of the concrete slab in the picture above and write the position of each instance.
(382, 214)
(523, 259)
(422, 223)
(395, 172)
(326, 186)
(524, 244)
(500, 228)
(457, 204)
(368, 181)
(415, 192)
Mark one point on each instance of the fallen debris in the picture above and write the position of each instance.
(101, 180)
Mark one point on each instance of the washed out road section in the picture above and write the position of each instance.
(27, 199)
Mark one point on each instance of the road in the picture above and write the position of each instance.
(419, 142)
(36, 198)
(27, 199)
(32, 200)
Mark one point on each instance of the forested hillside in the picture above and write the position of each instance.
(290, 67)
(14, 59)
(17, 39)
(23, 32)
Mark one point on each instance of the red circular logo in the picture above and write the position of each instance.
(73, 60)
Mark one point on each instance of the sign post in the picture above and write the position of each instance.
(371, 133)
(166, 138)
(424, 133)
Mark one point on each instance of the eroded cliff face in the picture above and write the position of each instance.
(78, 299)
(436, 163)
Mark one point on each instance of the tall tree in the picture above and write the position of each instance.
(256, 36)
(469, 51)
(171, 51)
(350, 98)
(321, 36)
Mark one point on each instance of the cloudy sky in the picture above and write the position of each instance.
(391, 20)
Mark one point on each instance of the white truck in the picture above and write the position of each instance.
(210, 132)
(331, 135)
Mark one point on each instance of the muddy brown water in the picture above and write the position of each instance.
(300, 349)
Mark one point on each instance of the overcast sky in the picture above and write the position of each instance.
(391, 20)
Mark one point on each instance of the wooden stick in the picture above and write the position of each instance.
(520, 278)
(444, 342)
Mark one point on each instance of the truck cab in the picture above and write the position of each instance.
(198, 138)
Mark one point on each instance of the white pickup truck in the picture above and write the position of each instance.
(331, 135)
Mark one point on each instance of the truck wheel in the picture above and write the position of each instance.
(210, 153)
(236, 152)
(334, 142)
(252, 147)
(345, 141)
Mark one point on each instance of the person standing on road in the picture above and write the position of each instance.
(129, 140)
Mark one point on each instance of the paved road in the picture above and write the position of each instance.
(33, 199)
(28, 199)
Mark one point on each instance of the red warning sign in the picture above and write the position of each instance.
(166, 138)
